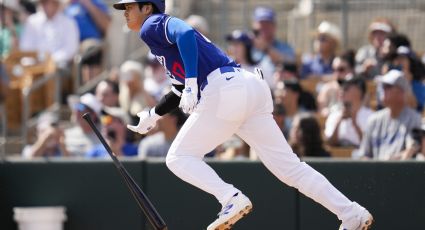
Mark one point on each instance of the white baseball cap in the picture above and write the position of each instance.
(395, 78)
(330, 29)
(92, 102)
(11, 4)
(380, 26)
(128, 67)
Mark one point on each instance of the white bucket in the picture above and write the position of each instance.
(40, 218)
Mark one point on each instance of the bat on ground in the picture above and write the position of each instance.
(142, 200)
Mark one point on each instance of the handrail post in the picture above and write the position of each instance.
(3, 132)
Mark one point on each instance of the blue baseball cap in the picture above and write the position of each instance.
(262, 13)
(240, 36)
(160, 4)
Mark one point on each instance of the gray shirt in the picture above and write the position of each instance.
(364, 53)
(385, 136)
(79, 143)
(154, 146)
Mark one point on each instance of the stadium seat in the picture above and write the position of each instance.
(23, 69)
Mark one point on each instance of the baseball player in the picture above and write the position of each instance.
(223, 99)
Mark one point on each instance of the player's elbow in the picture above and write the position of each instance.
(186, 36)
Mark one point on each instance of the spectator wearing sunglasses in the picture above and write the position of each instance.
(268, 50)
(343, 69)
(369, 58)
(114, 121)
(325, 44)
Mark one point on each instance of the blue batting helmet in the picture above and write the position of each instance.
(159, 4)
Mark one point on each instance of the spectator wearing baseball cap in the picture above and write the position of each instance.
(388, 132)
(269, 51)
(368, 58)
(114, 121)
(398, 54)
(240, 48)
(326, 44)
(79, 139)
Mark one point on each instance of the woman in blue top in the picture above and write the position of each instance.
(223, 100)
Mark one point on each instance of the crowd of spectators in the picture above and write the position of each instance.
(368, 100)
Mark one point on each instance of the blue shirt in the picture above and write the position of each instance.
(99, 151)
(418, 88)
(284, 49)
(86, 24)
(315, 65)
(170, 40)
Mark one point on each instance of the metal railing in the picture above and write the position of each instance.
(3, 117)
(296, 25)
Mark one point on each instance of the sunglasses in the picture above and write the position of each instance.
(323, 38)
(387, 86)
(340, 69)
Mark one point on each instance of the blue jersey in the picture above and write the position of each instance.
(155, 33)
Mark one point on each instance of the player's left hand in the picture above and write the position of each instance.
(189, 98)
(147, 120)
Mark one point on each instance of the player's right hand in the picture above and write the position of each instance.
(147, 121)
(189, 98)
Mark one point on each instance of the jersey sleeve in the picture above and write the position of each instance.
(180, 33)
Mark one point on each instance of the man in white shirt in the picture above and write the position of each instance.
(49, 30)
(345, 126)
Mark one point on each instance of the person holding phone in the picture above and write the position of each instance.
(50, 140)
(114, 120)
(345, 126)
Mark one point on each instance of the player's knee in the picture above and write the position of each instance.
(301, 173)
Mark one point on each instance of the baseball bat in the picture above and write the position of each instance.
(142, 200)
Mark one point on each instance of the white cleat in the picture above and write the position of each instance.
(237, 207)
(363, 221)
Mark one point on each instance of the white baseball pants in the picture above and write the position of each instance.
(240, 102)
